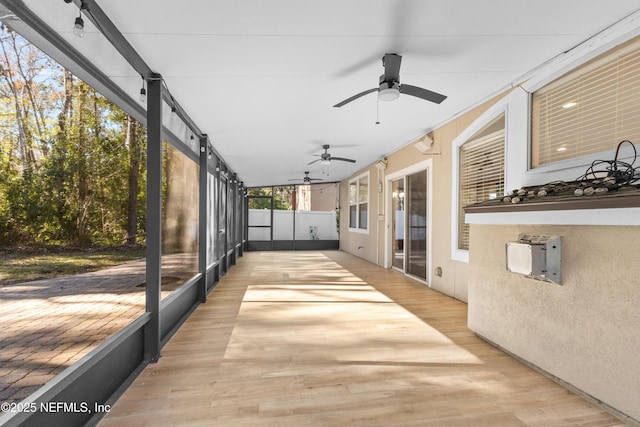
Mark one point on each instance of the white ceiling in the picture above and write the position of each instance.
(260, 77)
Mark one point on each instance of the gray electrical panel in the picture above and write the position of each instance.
(537, 257)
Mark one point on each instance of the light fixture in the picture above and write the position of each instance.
(388, 90)
(569, 104)
(78, 26)
(381, 164)
(562, 148)
(143, 92)
(424, 144)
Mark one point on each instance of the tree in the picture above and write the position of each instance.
(282, 197)
(71, 162)
(133, 141)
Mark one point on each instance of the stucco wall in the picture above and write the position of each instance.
(324, 197)
(587, 331)
(362, 244)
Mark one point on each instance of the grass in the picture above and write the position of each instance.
(25, 266)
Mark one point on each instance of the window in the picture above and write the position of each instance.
(359, 203)
(590, 109)
(481, 172)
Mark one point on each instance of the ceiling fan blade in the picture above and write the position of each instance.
(354, 97)
(391, 63)
(317, 160)
(422, 93)
(316, 179)
(342, 159)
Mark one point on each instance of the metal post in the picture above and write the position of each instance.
(203, 219)
(293, 244)
(271, 219)
(216, 216)
(245, 212)
(154, 217)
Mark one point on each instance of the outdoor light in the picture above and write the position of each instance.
(78, 26)
(143, 93)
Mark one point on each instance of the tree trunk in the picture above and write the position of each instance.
(28, 83)
(24, 144)
(132, 141)
(82, 169)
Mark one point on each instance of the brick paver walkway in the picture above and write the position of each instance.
(47, 325)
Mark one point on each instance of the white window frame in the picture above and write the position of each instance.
(514, 108)
(518, 172)
(570, 169)
(357, 180)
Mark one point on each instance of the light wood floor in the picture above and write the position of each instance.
(327, 339)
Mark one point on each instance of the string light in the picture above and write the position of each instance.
(78, 26)
(143, 92)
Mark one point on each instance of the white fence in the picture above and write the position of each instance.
(309, 225)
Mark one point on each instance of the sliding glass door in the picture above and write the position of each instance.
(397, 221)
(409, 224)
(416, 251)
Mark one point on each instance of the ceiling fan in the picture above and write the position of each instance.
(390, 88)
(307, 179)
(326, 158)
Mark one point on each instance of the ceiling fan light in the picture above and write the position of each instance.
(386, 93)
(325, 162)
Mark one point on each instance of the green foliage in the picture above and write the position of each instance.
(65, 155)
(260, 198)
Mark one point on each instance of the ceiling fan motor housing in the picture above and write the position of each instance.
(388, 90)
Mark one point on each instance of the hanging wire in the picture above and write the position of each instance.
(602, 176)
(616, 171)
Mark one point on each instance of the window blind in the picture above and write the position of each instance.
(481, 176)
(590, 109)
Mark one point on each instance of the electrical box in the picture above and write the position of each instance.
(537, 257)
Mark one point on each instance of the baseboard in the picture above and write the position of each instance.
(586, 396)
